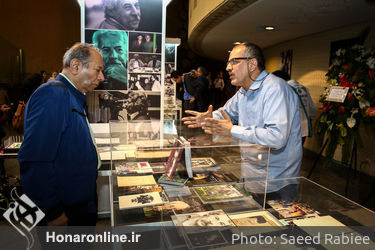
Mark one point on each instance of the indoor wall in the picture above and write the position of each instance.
(43, 29)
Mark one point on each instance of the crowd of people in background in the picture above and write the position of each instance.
(198, 88)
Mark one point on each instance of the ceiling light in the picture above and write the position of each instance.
(269, 28)
(237, 43)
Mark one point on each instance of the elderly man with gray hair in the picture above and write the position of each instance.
(113, 45)
(121, 15)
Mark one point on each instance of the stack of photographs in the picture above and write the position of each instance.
(292, 210)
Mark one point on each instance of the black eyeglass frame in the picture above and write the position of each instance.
(238, 58)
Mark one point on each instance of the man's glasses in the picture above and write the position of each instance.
(237, 60)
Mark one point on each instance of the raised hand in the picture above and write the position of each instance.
(198, 118)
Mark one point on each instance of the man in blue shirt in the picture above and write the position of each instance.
(58, 156)
(264, 111)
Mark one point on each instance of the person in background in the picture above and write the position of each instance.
(306, 104)
(138, 45)
(113, 45)
(149, 44)
(154, 63)
(30, 84)
(58, 157)
(191, 89)
(203, 99)
(43, 73)
(264, 111)
(135, 63)
(53, 76)
(121, 15)
(219, 86)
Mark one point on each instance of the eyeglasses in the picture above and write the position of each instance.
(236, 60)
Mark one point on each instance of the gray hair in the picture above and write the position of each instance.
(96, 37)
(253, 50)
(110, 4)
(79, 51)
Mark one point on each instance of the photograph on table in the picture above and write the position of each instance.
(290, 209)
(214, 218)
(144, 15)
(144, 82)
(140, 200)
(218, 193)
(144, 63)
(258, 218)
(144, 42)
(104, 106)
(113, 44)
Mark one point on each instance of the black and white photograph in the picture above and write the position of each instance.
(113, 45)
(170, 52)
(142, 15)
(122, 105)
(144, 63)
(146, 82)
(144, 42)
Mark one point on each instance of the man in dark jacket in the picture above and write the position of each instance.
(58, 157)
(192, 90)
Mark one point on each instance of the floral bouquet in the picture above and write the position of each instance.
(353, 68)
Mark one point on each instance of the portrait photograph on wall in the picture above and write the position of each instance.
(113, 45)
(144, 63)
(140, 15)
(122, 106)
(144, 42)
(170, 53)
(146, 82)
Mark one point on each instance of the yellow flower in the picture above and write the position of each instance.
(360, 84)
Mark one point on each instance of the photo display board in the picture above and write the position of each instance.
(129, 34)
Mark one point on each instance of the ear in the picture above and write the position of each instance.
(75, 66)
(253, 64)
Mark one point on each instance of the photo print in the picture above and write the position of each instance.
(145, 82)
(142, 15)
(170, 52)
(113, 45)
(122, 106)
(144, 63)
(169, 68)
(144, 42)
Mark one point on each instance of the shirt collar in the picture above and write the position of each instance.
(256, 84)
(66, 78)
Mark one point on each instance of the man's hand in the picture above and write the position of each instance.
(198, 118)
(218, 126)
(192, 99)
(62, 220)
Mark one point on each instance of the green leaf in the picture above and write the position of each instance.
(343, 132)
(323, 118)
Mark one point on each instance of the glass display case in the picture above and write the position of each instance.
(155, 164)
(204, 189)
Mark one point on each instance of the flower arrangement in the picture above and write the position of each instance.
(353, 68)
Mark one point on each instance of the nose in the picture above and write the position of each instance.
(134, 10)
(113, 54)
(101, 76)
(229, 67)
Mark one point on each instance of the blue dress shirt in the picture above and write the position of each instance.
(268, 114)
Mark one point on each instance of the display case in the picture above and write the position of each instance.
(210, 188)
(157, 164)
